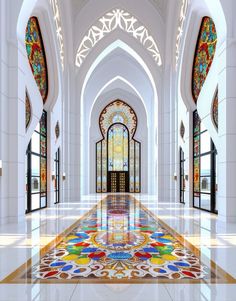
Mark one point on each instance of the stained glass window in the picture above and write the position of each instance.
(118, 152)
(118, 148)
(204, 162)
(27, 110)
(215, 110)
(57, 177)
(204, 54)
(36, 55)
(37, 167)
(182, 176)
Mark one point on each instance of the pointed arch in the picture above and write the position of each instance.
(117, 18)
(36, 55)
(204, 55)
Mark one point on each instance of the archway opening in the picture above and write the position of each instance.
(118, 153)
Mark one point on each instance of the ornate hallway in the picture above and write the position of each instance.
(91, 241)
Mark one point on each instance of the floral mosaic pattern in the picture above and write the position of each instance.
(118, 112)
(204, 54)
(36, 56)
(215, 110)
(119, 239)
(27, 110)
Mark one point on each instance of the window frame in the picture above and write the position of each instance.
(212, 153)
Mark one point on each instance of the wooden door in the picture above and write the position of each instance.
(118, 181)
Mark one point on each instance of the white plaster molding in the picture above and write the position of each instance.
(114, 19)
(57, 19)
(183, 12)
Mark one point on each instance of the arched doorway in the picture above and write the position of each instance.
(118, 153)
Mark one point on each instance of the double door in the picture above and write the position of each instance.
(118, 181)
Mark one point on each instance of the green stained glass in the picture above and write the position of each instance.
(204, 54)
(43, 123)
(36, 56)
(118, 151)
(118, 148)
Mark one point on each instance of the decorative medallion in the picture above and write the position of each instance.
(57, 130)
(215, 110)
(118, 112)
(27, 110)
(182, 130)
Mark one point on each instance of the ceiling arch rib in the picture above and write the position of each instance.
(118, 84)
(117, 18)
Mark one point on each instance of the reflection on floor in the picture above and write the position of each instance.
(119, 240)
(214, 241)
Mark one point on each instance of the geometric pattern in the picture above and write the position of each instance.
(119, 240)
(118, 111)
(117, 18)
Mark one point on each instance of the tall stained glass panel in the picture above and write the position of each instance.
(182, 176)
(118, 153)
(36, 56)
(118, 148)
(104, 166)
(204, 54)
(132, 166)
(57, 177)
(215, 110)
(99, 166)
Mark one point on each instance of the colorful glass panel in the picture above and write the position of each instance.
(118, 148)
(119, 151)
(118, 111)
(43, 146)
(204, 54)
(27, 110)
(104, 166)
(36, 56)
(43, 174)
(215, 110)
(132, 166)
(99, 165)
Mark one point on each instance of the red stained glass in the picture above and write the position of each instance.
(204, 54)
(36, 56)
(43, 174)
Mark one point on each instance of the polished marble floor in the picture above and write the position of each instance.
(22, 241)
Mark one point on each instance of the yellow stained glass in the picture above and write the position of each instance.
(118, 148)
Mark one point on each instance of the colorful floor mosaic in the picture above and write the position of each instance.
(119, 240)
